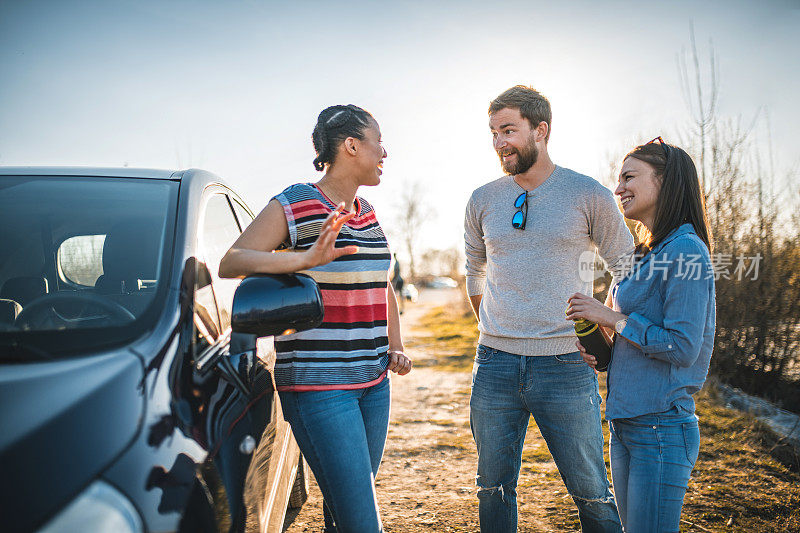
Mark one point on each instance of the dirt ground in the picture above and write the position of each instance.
(426, 483)
(427, 478)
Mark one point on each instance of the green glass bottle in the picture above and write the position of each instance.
(594, 340)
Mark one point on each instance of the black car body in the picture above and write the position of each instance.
(131, 399)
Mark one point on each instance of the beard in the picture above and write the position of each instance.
(526, 158)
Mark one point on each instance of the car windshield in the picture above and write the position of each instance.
(83, 261)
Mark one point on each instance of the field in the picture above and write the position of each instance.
(745, 480)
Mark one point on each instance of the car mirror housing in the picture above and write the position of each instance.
(276, 304)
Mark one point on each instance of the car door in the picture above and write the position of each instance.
(253, 448)
(282, 467)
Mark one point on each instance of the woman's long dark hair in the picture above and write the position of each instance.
(335, 124)
(680, 199)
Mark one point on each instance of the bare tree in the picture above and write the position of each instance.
(447, 262)
(413, 212)
(189, 160)
(702, 101)
(758, 317)
(752, 222)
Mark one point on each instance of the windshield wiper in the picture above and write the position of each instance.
(16, 350)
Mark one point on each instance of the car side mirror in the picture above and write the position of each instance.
(275, 304)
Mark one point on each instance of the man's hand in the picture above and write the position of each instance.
(587, 357)
(475, 301)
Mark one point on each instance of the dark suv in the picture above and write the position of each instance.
(135, 392)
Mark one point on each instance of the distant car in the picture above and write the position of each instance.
(409, 292)
(134, 394)
(442, 282)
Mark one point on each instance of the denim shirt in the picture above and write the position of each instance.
(661, 358)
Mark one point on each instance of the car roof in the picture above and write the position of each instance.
(124, 172)
(191, 178)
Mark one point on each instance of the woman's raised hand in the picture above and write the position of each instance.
(324, 250)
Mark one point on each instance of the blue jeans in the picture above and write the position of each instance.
(652, 457)
(561, 392)
(341, 433)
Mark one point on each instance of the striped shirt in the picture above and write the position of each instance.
(349, 349)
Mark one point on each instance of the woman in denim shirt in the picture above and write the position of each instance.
(663, 312)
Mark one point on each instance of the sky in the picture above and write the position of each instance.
(235, 87)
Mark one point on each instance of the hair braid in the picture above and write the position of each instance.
(320, 140)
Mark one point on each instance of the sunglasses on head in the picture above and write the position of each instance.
(521, 216)
(662, 143)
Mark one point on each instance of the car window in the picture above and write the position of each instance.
(80, 259)
(206, 316)
(218, 233)
(241, 213)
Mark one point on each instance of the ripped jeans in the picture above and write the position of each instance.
(561, 392)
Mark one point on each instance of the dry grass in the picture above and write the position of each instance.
(744, 480)
(452, 337)
(738, 484)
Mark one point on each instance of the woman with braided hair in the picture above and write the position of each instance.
(333, 381)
